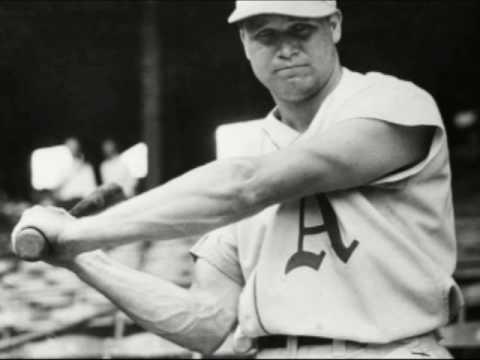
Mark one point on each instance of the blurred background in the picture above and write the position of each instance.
(95, 91)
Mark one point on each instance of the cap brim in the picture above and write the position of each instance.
(237, 16)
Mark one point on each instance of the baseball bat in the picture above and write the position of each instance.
(31, 244)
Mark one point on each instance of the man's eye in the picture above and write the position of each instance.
(301, 30)
(265, 36)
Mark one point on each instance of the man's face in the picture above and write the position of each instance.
(293, 57)
(109, 148)
(74, 146)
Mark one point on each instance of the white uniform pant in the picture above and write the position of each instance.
(421, 347)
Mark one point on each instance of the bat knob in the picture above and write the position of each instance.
(30, 244)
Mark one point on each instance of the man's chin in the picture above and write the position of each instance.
(295, 96)
(294, 90)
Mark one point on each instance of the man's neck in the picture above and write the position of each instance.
(111, 156)
(299, 115)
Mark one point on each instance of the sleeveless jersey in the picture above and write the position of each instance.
(371, 264)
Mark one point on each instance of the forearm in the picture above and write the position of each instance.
(203, 199)
(190, 320)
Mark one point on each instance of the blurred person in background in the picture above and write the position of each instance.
(79, 181)
(113, 169)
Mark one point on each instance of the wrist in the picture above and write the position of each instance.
(72, 239)
(84, 262)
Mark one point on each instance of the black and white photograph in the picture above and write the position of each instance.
(241, 179)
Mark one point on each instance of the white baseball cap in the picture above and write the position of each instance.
(308, 9)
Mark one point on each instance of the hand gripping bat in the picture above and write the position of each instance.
(30, 244)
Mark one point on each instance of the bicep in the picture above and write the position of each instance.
(359, 151)
(354, 153)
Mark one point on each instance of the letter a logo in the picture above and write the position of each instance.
(306, 258)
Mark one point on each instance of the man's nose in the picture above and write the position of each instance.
(288, 48)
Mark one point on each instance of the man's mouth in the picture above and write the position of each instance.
(291, 70)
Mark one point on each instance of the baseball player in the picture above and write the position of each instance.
(330, 235)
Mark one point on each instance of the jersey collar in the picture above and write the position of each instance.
(278, 133)
(282, 135)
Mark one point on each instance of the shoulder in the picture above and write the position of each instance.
(396, 86)
(383, 85)
(386, 97)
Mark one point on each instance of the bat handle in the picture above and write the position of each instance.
(31, 244)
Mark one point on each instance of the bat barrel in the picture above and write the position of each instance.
(102, 198)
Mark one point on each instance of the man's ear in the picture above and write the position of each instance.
(243, 38)
(335, 22)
